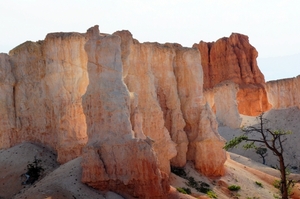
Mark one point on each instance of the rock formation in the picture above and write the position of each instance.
(168, 81)
(129, 109)
(234, 59)
(226, 110)
(113, 158)
(284, 93)
(51, 78)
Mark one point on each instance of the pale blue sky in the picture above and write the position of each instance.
(273, 26)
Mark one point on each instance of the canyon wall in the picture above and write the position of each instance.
(284, 93)
(130, 109)
(234, 59)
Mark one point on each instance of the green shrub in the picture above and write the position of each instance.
(184, 190)
(277, 184)
(34, 171)
(211, 194)
(179, 171)
(181, 190)
(192, 182)
(234, 187)
(259, 184)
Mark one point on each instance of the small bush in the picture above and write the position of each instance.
(211, 194)
(203, 189)
(259, 184)
(192, 182)
(34, 171)
(179, 171)
(184, 190)
(277, 184)
(234, 187)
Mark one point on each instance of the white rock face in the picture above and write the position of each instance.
(223, 99)
(284, 93)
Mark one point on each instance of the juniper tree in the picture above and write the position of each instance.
(271, 139)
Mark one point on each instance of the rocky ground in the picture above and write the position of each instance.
(63, 181)
(284, 119)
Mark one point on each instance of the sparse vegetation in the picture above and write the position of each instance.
(179, 171)
(259, 184)
(211, 194)
(271, 139)
(234, 187)
(184, 190)
(34, 171)
(200, 186)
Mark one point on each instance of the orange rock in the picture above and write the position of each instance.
(131, 108)
(230, 58)
(252, 99)
(113, 158)
(50, 81)
(168, 81)
(234, 59)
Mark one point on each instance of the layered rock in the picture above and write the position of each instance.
(284, 93)
(234, 59)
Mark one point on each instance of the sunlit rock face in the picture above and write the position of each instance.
(114, 158)
(51, 78)
(234, 59)
(168, 81)
(129, 109)
(284, 93)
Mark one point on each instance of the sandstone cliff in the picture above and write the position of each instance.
(51, 78)
(168, 82)
(234, 59)
(284, 93)
(129, 108)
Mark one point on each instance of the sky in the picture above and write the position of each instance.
(273, 26)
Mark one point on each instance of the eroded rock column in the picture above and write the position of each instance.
(113, 158)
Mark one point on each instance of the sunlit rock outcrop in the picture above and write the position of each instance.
(51, 78)
(113, 158)
(168, 81)
(129, 109)
(234, 59)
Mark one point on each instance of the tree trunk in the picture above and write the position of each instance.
(283, 185)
